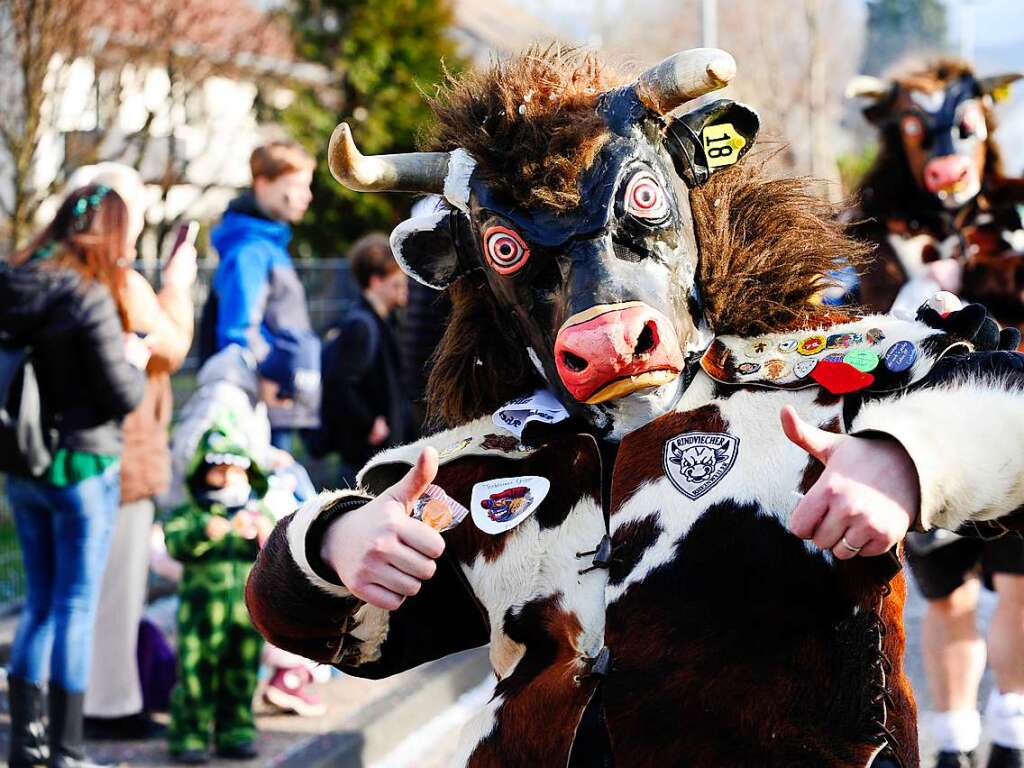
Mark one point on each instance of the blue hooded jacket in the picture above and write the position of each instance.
(256, 291)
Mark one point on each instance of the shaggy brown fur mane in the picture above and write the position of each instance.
(889, 188)
(529, 122)
(765, 245)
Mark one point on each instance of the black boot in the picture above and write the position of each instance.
(1005, 757)
(955, 760)
(66, 740)
(28, 731)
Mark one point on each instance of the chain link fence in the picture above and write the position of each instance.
(330, 290)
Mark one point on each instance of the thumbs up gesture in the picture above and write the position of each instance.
(380, 553)
(866, 498)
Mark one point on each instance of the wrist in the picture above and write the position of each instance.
(324, 534)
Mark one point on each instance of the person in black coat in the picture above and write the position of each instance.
(62, 297)
(365, 408)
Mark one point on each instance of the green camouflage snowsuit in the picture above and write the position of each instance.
(218, 648)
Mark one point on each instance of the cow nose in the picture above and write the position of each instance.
(942, 173)
(613, 350)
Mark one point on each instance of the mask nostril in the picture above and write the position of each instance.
(574, 363)
(647, 340)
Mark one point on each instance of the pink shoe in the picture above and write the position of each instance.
(288, 689)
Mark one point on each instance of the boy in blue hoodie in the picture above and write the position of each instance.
(256, 291)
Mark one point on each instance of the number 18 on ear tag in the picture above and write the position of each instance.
(722, 144)
(504, 503)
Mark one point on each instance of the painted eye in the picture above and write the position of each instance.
(645, 198)
(505, 250)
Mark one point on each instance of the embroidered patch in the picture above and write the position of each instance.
(811, 345)
(696, 461)
(775, 369)
(501, 504)
(503, 443)
(745, 369)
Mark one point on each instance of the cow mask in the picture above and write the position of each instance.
(942, 126)
(604, 296)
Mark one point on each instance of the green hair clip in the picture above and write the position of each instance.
(84, 205)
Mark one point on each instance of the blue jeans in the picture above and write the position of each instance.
(65, 536)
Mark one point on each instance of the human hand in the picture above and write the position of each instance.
(865, 500)
(136, 351)
(380, 553)
(278, 458)
(380, 431)
(244, 524)
(218, 528)
(181, 269)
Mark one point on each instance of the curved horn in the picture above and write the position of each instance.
(995, 82)
(684, 76)
(866, 87)
(407, 172)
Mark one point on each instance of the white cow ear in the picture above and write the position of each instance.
(425, 247)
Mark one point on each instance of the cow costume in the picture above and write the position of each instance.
(615, 488)
(936, 203)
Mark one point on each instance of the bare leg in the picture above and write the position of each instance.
(954, 651)
(1006, 633)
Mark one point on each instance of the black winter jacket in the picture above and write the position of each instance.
(87, 384)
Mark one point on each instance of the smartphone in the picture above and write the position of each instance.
(187, 233)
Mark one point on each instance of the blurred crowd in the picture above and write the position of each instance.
(104, 489)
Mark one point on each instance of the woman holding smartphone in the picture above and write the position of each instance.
(64, 297)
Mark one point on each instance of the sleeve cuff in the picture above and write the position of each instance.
(306, 531)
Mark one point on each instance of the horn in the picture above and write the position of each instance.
(407, 172)
(866, 87)
(684, 76)
(995, 82)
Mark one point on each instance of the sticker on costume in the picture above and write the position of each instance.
(541, 406)
(757, 349)
(843, 340)
(745, 369)
(876, 335)
(811, 345)
(834, 357)
(775, 368)
(454, 448)
(722, 144)
(900, 356)
(438, 510)
(501, 504)
(696, 461)
(503, 443)
(803, 368)
(787, 345)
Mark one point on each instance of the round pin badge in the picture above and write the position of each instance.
(745, 369)
(862, 359)
(834, 357)
(875, 335)
(787, 345)
(811, 345)
(803, 368)
(900, 356)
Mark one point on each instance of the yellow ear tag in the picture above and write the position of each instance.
(1002, 93)
(722, 144)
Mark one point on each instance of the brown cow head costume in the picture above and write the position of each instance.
(936, 124)
(567, 194)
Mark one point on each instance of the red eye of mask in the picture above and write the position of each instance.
(644, 197)
(505, 250)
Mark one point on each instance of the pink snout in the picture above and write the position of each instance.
(944, 173)
(613, 350)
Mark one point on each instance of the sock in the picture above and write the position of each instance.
(957, 730)
(1004, 718)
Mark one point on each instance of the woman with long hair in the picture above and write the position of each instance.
(63, 297)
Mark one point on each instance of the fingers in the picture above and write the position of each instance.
(396, 581)
(421, 537)
(374, 594)
(809, 513)
(817, 442)
(408, 560)
(416, 480)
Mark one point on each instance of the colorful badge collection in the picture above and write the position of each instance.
(839, 362)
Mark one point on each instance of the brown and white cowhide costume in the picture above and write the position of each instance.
(654, 609)
(936, 203)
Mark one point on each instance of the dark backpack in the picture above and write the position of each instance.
(26, 444)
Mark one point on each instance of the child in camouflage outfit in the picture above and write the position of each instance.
(216, 536)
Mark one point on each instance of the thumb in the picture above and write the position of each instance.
(416, 480)
(817, 442)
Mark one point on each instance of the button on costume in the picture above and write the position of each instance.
(617, 483)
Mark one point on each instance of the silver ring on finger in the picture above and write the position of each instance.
(844, 543)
